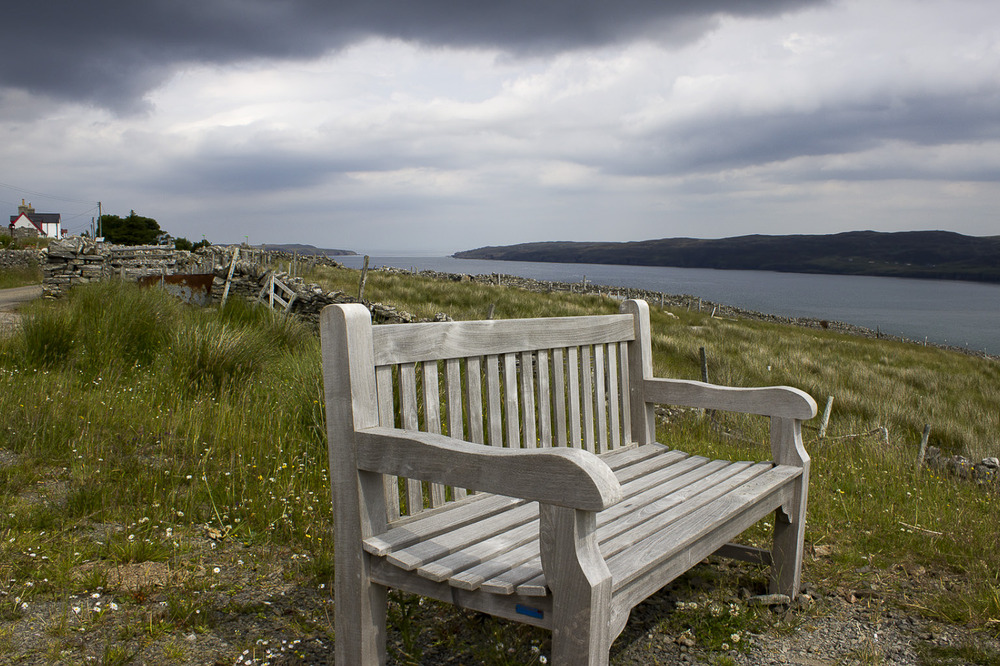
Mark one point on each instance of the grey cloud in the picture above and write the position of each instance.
(111, 52)
(719, 142)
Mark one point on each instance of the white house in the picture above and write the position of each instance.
(46, 224)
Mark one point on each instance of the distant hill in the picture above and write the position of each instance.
(309, 249)
(914, 254)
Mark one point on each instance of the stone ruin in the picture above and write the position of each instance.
(78, 260)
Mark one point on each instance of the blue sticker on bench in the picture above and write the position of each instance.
(529, 611)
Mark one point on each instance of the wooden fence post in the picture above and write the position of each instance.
(229, 278)
(364, 277)
(826, 417)
(923, 445)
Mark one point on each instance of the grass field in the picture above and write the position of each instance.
(138, 434)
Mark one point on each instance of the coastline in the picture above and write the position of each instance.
(661, 299)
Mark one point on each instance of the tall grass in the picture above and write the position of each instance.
(156, 415)
(867, 500)
(19, 277)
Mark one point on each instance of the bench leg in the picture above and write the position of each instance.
(789, 520)
(581, 586)
(360, 618)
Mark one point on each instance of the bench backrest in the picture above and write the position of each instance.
(516, 383)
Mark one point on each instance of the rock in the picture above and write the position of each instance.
(991, 463)
(769, 600)
(67, 248)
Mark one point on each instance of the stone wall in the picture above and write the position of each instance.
(250, 278)
(77, 260)
(25, 259)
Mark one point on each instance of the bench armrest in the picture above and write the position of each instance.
(560, 476)
(779, 401)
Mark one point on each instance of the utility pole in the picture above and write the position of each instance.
(99, 230)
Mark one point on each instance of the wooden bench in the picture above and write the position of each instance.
(510, 467)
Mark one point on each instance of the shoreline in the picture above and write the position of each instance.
(660, 299)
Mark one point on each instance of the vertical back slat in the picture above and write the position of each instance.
(587, 396)
(544, 400)
(510, 400)
(600, 399)
(474, 399)
(410, 421)
(559, 395)
(529, 432)
(623, 365)
(573, 369)
(494, 413)
(387, 418)
(614, 405)
(453, 407)
(432, 417)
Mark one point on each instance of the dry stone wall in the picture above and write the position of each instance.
(77, 260)
(20, 258)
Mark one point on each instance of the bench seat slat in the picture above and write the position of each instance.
(491, 543)
(640, 557)
(487, 549)
(448, 542)
(616, 525)
(429, 525)
(474, 577)
(474, 554)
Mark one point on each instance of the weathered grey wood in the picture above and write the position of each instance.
(510, 607)
(554, 536)
(640, 368)
(474, 577)
(623, 364)
(494, 415)
(544, 400)
(679, 556)
(408, 343)
(453, 407)
(622, 524)
(432, 417)
(782, 401)
(510, 402)
(581, 586)
(387, 418)
(560, 476)
(587, 395)
(349, 379)
(408, 531)
(613, 404)
(640, 557)
(790, 520)
(573, 396)
(600, 399)
(482, 548)
(559, 398)
(530, 433)
(474, 399)
(410, 421)
(453, 540)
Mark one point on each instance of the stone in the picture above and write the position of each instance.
(769, 600)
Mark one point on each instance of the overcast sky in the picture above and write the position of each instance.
(442, 125)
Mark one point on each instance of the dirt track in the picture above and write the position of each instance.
(11, 299)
